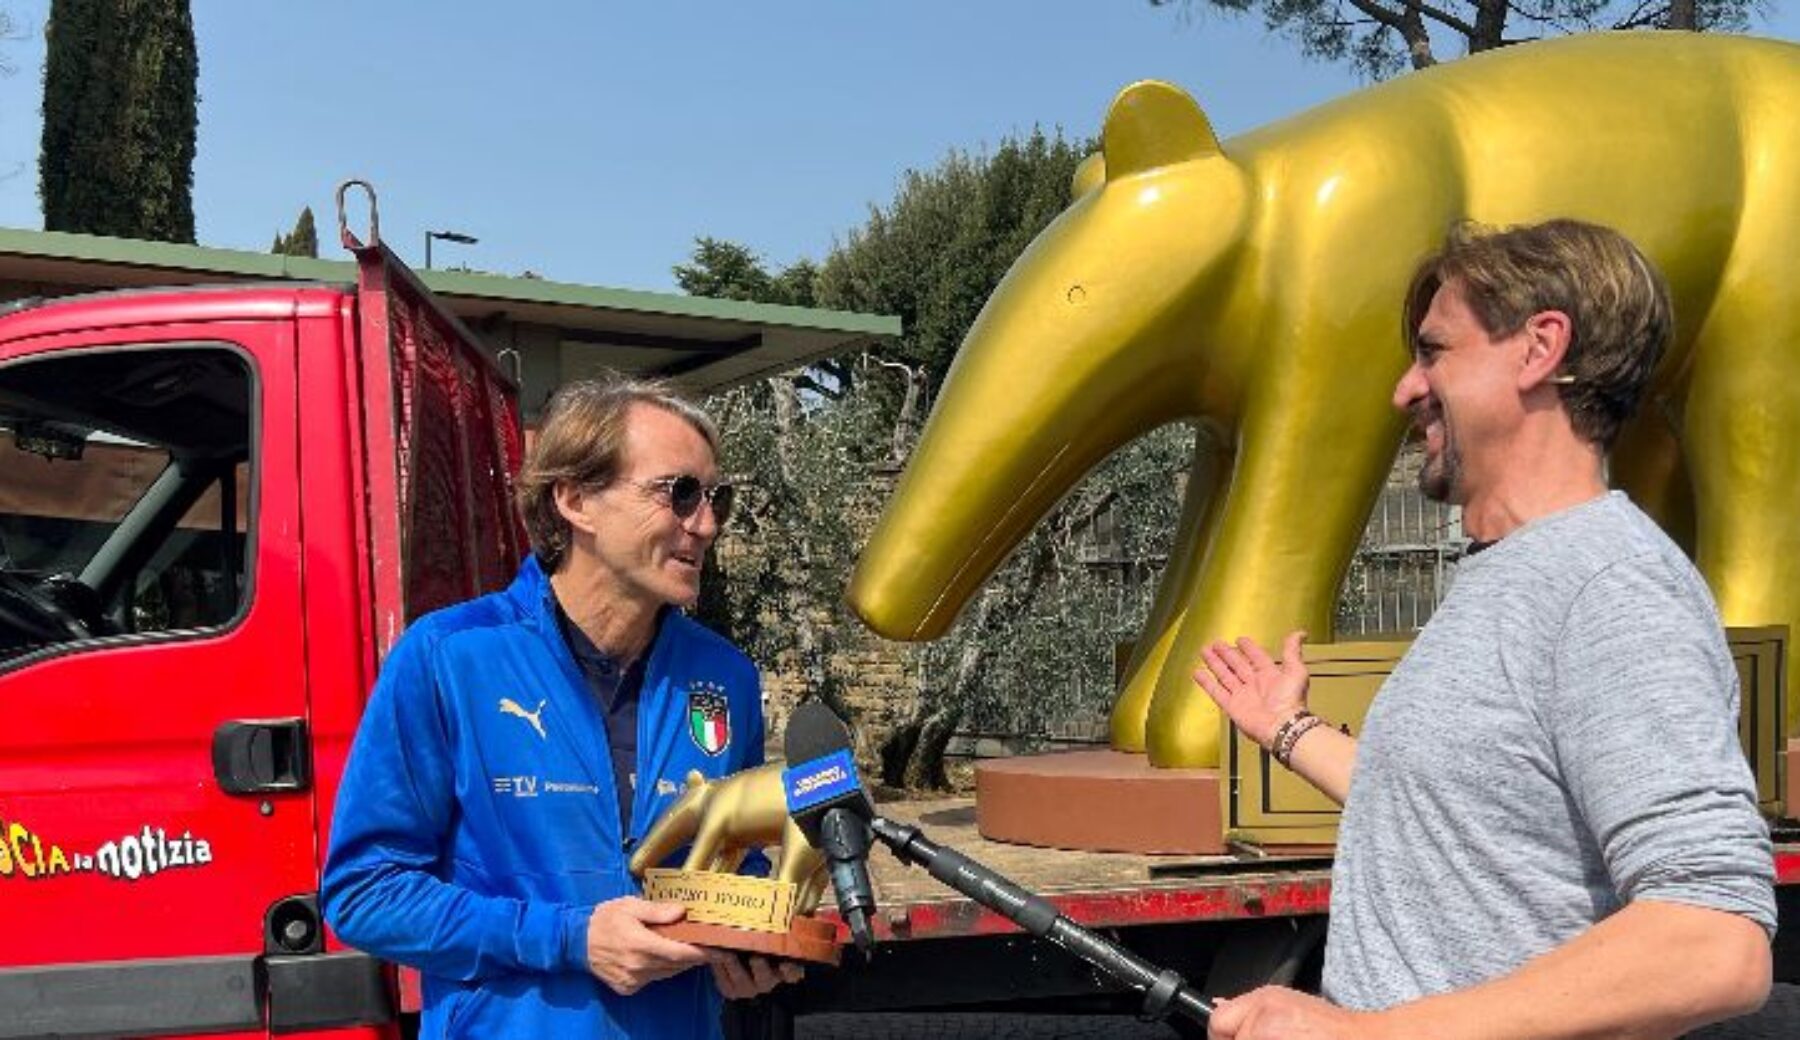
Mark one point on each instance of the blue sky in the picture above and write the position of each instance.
(591, 142)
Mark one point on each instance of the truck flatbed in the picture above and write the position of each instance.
(1114, 890)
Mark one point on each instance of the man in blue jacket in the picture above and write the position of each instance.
(517, 746)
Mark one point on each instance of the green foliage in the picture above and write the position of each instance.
(1380, 38)
(766, 586)
(120, 119)
(936, 252)
(807, 503)
(728, 271)
(302, 241)
(1052, 660)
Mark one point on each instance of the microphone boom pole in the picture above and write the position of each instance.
(1164, 990)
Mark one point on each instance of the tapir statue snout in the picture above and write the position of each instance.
(1254, 286)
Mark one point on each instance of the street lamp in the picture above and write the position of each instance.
(447, 236)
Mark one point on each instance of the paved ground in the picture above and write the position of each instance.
(1779, 1021)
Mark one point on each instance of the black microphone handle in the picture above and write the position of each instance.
(1164, 990)
(844, 838)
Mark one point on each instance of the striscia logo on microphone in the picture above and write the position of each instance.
(820, 780)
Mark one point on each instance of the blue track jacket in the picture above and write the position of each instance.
(477, 826)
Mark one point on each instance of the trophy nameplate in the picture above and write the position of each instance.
(736, 912)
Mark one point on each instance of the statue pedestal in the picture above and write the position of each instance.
(1099, 801)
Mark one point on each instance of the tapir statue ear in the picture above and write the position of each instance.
(1089, 175)
(1153, 124)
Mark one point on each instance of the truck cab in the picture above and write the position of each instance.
(218, 507)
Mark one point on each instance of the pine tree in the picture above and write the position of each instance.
(302, 241)
(121, 113)
(1381, 38)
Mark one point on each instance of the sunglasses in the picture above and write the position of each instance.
(686, 492)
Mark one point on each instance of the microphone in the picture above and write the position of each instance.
(827, 802)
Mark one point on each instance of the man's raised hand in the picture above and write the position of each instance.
(1256, 692)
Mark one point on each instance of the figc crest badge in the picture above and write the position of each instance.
(709, 718)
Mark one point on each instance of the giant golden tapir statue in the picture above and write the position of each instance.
(1253, 287)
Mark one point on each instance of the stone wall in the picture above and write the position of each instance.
(880, 684)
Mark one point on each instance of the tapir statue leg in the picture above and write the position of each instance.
(1742, 439)
(1263, 579)
(1200, 512)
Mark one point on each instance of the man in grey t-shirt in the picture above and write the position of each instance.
(1549, 829)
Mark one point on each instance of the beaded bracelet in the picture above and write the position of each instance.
(1286, 727)
(1284, 753)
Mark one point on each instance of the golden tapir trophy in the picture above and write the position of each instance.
(725, 819)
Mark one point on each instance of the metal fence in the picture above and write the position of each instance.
(1406, 560)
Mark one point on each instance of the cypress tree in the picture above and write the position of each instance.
(121, 112)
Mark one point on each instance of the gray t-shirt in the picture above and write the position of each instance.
(1560, 740)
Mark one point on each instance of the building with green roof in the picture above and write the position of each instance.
(546, 332)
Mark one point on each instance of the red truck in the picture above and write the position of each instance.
(218, 508)
(243, 494)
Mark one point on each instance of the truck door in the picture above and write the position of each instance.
(154, 803)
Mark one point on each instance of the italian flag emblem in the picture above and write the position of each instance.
(709, 720)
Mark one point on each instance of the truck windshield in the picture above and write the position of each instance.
(124, 495)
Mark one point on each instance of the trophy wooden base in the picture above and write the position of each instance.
(1099, 801)
(807, 939)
